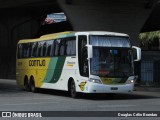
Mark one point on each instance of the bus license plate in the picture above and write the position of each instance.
(114, 88)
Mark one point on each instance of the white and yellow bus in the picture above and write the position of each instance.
(77, 62)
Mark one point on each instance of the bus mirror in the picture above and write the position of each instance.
(90, 51)
(136, 53)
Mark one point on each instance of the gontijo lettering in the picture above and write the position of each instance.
(37, 62)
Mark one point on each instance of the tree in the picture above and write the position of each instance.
(150, 39)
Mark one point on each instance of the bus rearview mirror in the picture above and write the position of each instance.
(136, 53)
(90, 51)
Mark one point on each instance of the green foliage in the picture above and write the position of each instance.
(149, 37)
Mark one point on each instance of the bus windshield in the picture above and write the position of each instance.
(114, 60)
(111, 62)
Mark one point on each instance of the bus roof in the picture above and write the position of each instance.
(49, 36)
(71, 33)
(101, 33)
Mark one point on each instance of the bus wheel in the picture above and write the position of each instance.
(32, 85)
(26, 85)
(73, 92)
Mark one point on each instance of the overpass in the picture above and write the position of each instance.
(152, 23)
(23, 19)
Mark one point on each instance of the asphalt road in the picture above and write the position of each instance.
(12, 98)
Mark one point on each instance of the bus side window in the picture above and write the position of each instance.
(52, 48)
(71, 46)
(24, 50)
(49, 45)
(57, 45)
(82, 56)
(39, 49)
(34, 50)
(19, 51)
(44, 49)
(62, 47)
(29, 49)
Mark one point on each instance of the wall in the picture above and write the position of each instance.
(15, 24)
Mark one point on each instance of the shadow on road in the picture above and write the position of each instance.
(10, 88)
(101, 96)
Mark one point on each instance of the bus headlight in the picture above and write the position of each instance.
(129, 81)
(95, 80)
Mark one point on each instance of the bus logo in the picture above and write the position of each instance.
(37, 62)
(82, 85)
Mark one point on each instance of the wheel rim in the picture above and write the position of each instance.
(32, 86)
(73, 89)
(26, 85)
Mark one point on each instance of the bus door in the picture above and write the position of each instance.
(82, 56)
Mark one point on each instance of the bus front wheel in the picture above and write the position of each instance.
(72, 90)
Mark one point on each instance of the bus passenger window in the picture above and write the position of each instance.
(49, 44)
(62, 47)
(24, 50)
(40, 49)
(19, 55)
(52, 49)
(29, 49)
(44, 50)
(71, 47)
(57, 45)
(34, 49)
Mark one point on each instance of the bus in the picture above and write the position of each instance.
(77, 62)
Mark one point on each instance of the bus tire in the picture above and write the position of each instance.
(32, 85)
(26, 85)
(72, 89)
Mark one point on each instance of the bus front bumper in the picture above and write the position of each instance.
(102, 88)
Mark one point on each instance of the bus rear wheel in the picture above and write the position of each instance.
(72, 89)
(26, 85)
(32, 85)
